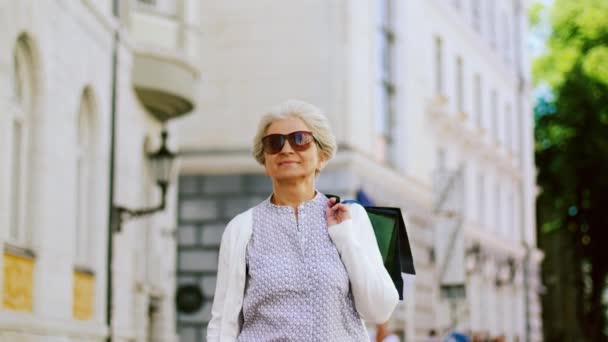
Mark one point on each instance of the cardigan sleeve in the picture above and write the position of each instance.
(214, 330)
(374, 294)
(224, 324)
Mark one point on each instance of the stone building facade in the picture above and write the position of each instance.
(56, 109)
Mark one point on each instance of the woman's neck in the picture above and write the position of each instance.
(292, 194)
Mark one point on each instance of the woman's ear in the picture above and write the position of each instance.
(321, 165)
(266, 169)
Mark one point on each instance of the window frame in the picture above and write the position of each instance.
(478, 100)
(460, 93)
(385, 88)
(84, 186)
(439, 69)
(20, 139)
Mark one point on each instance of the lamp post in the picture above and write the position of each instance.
(162, 166)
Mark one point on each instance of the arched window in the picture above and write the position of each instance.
(20, 132)
(84, 178)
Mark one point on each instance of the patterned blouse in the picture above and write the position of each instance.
(297, 288)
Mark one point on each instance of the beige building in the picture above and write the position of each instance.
(58, 110)
(430, 102)
(421, 94)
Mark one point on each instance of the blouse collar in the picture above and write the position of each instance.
(315, 201)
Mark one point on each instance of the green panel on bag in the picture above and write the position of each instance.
(384, 229)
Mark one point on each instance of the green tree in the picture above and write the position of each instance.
(572, 152)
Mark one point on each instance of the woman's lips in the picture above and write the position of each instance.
(287, 163)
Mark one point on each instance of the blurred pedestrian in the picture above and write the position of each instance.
(298, 266)
(477, 337)
(455, 336)
(433, 336)
(383, 334)
(500, 338)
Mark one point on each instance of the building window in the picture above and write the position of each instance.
(517, 132)
(498, 208)
(439, 66)
(159, 7)
(478, 101)
(512, 225)
(441, 159)
(22, 103)
(481, 204)
(516, 201)
(459, 85)
(494, 116)
(476, 15)
(492, 22)
(506, 38)
(384, 84)
(84, 179)
(508, 128)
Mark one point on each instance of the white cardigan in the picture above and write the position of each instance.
(375, 296)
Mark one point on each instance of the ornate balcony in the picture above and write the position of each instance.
(165, 72)
(455, 123)
(459, 127)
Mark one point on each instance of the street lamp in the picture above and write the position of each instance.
(162, 166)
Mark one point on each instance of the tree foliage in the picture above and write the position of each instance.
(572, 145)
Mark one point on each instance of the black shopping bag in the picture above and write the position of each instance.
(394, 245)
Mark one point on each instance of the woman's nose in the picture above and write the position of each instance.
(287, 147)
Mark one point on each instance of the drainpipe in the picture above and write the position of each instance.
(112, 218)
(517, 20)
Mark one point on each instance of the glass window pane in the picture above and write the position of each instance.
(482, 199)
(497, 208)
(17, 85)
(492, 23)
(15, 181)
(83, 181)
(459, 85)
(478, 100)
(438, 66)
(475, 13)
(494, 116)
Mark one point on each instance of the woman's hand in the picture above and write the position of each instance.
(336, 213)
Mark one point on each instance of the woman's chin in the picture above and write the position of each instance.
(286, 175)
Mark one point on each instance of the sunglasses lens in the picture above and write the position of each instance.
(300, 140)
(273, 143)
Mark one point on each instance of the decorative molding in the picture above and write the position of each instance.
(494, 245)
(454, 126)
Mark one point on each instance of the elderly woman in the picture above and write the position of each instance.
(298, 266)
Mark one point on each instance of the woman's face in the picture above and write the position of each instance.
(290, 164)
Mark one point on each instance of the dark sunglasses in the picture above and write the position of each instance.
(299, 141)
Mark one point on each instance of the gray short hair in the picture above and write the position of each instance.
(312, 116)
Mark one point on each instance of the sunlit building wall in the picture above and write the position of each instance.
(56, 79)
(410, 88)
